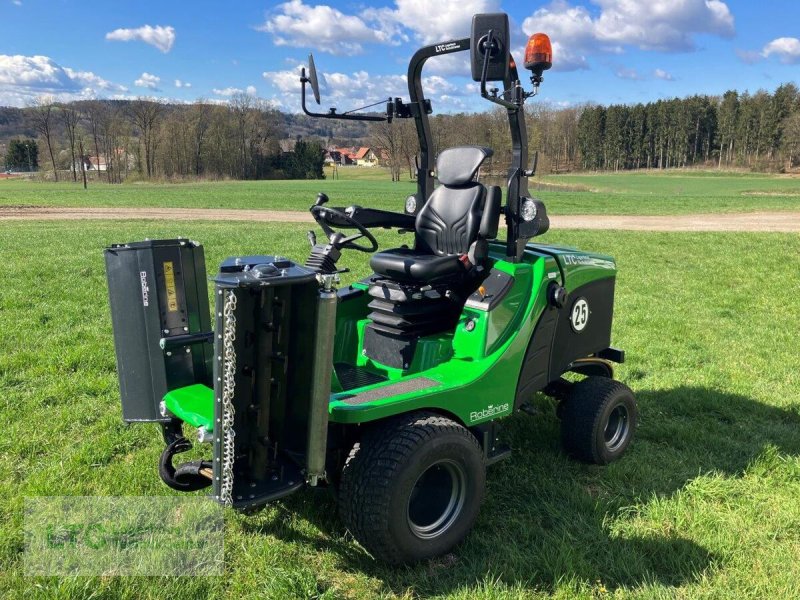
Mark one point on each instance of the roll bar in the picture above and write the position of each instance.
(512, 99)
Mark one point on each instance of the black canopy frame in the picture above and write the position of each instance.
(512, 99)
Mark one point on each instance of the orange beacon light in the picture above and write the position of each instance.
(538, 54)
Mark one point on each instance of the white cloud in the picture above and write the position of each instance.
(148, 81)
(353, 90)
(325, 28)
(328, 29)
(662, 74)
(182, 84)
(443, 20)
(624, 73)
(435, 84)
(232, 91)
(24, 78)
(660, 25)
(161, 37)
(786, 48)
(89, 79)
(286, 82)
(16, 2)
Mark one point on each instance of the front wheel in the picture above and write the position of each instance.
(598, 419)
(412, 489)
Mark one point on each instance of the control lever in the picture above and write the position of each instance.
(321, 199)
(312, 238)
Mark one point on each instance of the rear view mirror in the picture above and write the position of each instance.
(497, 68)
(312, 77)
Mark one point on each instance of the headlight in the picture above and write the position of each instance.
(528, 210)
(411, 204)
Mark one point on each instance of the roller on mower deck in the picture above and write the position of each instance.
(390, 390)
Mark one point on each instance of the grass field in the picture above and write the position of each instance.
(704, 505)
(625, 194)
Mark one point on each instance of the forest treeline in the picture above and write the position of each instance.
(758, 131)
(148, 139)
(246, 138)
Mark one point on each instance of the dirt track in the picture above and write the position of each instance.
(756, 221)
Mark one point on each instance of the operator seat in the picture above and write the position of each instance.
(453, 225)
(421, 291)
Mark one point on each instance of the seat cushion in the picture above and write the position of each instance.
(402, 264)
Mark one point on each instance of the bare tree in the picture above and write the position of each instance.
(200, 118)
(240, 106)
(70, 118)
(409, 145)
(95, 113)
(791, 139)
(145, 115)
(43, 120)
(387, 137)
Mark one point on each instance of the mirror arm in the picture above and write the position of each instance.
(332, 114)
(492, 97)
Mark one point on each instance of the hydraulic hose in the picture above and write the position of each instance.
(188, 477)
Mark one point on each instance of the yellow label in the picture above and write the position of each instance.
(169, 279)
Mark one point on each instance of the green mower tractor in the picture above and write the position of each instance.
(390, 391)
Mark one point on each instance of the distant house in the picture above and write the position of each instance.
(92, 163)
(366, 157)
(100, 163)
(342, 156)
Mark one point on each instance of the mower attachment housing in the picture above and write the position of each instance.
(158, 292)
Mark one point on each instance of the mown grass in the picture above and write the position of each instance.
(629, 193)
(705, 504)
(675, 192)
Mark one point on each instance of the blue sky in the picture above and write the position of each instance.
(605, 50)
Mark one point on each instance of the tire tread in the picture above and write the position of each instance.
(581, 413)
(372, 466)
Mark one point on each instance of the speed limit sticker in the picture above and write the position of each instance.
(580, 315)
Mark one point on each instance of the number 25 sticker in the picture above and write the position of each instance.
(580, 315)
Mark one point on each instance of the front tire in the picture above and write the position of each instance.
(412, 488)
(598, 420)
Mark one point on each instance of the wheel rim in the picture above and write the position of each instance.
(617, 426)
(437, 499)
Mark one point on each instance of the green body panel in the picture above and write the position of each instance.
(478, 369)
(193, 404)
(578, 267)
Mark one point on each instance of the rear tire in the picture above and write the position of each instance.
(412, 488)
(598, 420)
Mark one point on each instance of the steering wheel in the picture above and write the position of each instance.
(320, 212)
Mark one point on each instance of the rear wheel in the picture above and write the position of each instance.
(412, 489)
(598, 420)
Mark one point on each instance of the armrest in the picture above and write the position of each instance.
(490, 220)
(370, 217)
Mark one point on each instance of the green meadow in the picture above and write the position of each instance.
(647, 193)
(704, 504)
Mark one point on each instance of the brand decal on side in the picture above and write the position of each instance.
(447, 47)
(489, 411)
(145, 288)
(588, 261)
(579, 317)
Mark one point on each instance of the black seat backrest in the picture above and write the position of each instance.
(450, 220)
